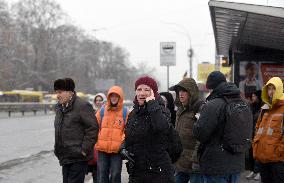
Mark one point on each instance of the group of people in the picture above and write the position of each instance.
(96, 139)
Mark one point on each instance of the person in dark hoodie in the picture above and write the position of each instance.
(76, 131)
(146, 136)
(188, 103)
(251, 163)
(217, 164)
(169, 103)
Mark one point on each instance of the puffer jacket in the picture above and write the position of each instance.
(76, 130)
(213, 159)
(146, 137)
(268, 144)
(185, 118)
(111, 133)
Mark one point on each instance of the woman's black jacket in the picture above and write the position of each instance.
(146, 136)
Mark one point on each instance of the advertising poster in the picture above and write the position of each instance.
(271, 70)
(250, 80)
(253, 75)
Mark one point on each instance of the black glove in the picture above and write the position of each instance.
(129, 167)
(130, 161)
(127, 156)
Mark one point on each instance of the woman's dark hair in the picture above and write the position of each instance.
(250, 66)
(170, 105)
(256, 106)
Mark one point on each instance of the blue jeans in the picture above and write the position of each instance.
(257, 166)
(109, 167)
(182, 177)
(231, 178)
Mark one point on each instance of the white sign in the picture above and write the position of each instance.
(167, 53)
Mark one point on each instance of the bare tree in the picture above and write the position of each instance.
(6, 40)
(37, 20)
(37, 47)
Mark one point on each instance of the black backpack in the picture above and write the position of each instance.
(238, 125)
(174, 144)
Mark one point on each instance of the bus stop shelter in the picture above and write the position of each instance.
(247, 33)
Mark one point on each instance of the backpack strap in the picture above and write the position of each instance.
(222, 125)
(283, 125)
(261, 114)
(124, 114)
(102, 112)
(229, 99)
(226, 99)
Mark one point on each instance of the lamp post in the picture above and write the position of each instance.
(190, 50)
(190, 54)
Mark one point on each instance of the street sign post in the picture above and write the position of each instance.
(168, 56)
(167, 53)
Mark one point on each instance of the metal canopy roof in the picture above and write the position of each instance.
(237, 24)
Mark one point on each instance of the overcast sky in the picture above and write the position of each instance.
(140, 26)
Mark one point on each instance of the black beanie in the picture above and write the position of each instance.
(66, 84)
(214, 79)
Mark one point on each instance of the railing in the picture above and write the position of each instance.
(26, 107)
(35, 107)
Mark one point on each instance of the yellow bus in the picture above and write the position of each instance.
(22, 96)
(83, 96)
(52, 98)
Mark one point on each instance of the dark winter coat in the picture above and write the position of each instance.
(184, 124)
(146, 137)
(255, 108)
(214, 160)
(76, 130)
(170, 106)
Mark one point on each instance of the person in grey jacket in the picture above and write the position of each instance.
(76, 131)
(217, 164)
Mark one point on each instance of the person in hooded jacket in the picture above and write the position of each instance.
(217, 164)
(146, 136)
(99, 101)
(268, 143)
(76, 131)
(169, 103)
(111, 135)
(188, 103)
(251, 163)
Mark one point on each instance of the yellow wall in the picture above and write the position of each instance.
(205, 69)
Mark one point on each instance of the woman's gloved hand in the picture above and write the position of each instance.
(130, 160)
(127, 156)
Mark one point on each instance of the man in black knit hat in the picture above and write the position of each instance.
(218, 163)
(76, 131)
